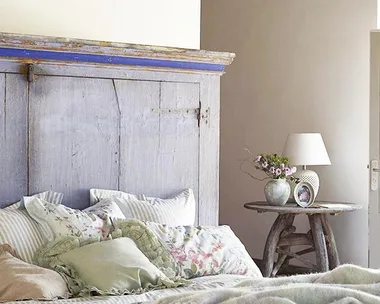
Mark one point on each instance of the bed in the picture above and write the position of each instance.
(87, 124)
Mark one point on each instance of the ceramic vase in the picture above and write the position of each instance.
(277, 192)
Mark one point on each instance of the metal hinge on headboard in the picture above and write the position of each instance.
(202, 114)
(30, 73)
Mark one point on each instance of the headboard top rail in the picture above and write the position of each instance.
(33, 48)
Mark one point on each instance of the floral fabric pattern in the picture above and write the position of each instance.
(59, 220)
(200, 251)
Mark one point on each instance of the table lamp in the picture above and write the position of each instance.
(306, 149)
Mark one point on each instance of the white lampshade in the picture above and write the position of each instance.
(304, 149)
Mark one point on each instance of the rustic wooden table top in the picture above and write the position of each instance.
(316, 208)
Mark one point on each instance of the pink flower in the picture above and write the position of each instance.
(265, 164)
(257, 158)
(272, 170)
(294, 169)
(278, 171)
(288, 171)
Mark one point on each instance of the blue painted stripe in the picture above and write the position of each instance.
(97, 58)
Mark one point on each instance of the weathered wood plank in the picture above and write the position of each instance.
(209, 152)
(282, 221)
(13, 143)
(319, 242)
(179, 138)
(139, 136)
(159, 152)
(74, 137)
(55, 48)
(113, 72)
(332, 250)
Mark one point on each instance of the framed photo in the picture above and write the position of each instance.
(304, 194)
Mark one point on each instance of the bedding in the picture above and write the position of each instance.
(22, 281)
(19, 230)
(175, 211)
(204, 250)
(346, 284)
(59, 220)
(202, 283)
(114, 267)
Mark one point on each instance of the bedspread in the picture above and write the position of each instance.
(202, 283)
(347, 284)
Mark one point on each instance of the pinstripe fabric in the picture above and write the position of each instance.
(20, 231)
(176, 211)
(201, 283)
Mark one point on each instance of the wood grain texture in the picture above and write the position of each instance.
(91, 47)
(74, 142)
(319, 242)
(159, 151)
(13, 130)
(209, 151)
(332, 250)
(282, 222)
(293, 208)
(131, 147)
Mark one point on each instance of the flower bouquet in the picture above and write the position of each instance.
(278, 170)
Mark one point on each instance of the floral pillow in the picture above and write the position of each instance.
(201, 251)
(59, 220)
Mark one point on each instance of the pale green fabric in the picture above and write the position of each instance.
(54, 255)
(114, 264)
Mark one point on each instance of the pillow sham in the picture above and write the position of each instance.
(189, 251)
(22, 281)
(115, 267)
(175, 211)
(59, 220)
(96, 267)
(19, 230)
(50, 196)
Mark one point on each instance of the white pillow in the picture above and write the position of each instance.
(175, 211)
(20, 231)
(59, 220)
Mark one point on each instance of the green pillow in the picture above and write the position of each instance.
(115, 266)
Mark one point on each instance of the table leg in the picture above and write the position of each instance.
(332, 250)
(281, 222)
(315, 221)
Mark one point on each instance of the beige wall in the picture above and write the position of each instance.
(165, 22)
(301, 66)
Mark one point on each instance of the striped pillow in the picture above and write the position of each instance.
(176, 211)
(20, 231)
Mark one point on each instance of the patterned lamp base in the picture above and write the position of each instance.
(307, 176)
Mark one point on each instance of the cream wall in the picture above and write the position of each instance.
(301, 66)
(165, 22)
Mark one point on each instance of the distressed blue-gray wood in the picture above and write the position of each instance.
(31, 48)
(116, 126)
(179, 138)
(159, 151)
(13, 141)
(209, 150)
(139, 136)
(74, 142)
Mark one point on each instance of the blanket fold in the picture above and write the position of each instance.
(346, 284)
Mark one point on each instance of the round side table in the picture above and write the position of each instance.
(319, 238)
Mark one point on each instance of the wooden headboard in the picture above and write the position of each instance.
(78, 114)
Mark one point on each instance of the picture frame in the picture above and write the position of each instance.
(304, 194)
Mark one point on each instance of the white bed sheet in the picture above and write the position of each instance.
(202, 283)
